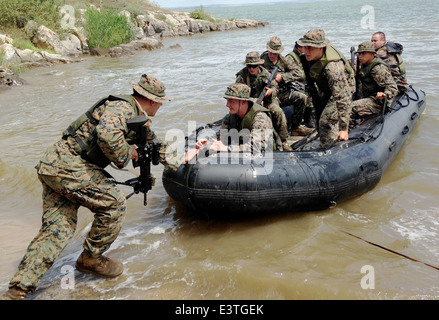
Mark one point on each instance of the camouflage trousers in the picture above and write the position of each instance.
(300, 101)
(63, 194)
(279, 119)
(366, 107)
(328, 127)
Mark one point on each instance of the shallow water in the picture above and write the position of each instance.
(168, 253)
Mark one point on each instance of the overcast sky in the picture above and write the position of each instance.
(196, 3)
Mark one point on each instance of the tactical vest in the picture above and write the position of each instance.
(330, 54)
(368, 84)
(89, 148)
(295, 54)
(247, 122)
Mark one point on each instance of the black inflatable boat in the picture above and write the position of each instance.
(308, 178)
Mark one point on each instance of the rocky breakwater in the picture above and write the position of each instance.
(149, 30)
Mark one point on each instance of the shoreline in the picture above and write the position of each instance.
(149, 30)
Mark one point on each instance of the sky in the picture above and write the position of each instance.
(167, 4)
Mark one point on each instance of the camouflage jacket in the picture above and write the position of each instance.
(341, 88)
(112, 131)
(380, 73)
(257, 83)
(261, 134)
(396, 64)
(287, 67)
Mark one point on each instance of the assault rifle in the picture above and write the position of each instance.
(267, 84)
(148, 153)
(355, 60)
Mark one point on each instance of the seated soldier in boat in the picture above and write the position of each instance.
(251, 121)
(376, 83)
(390, 52)
(255, 76)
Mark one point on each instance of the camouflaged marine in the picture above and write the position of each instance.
(290, 91)
(256, 79)
(72, 175)
(250, 116)
(390, 52)
(376, 82)
(331, 84)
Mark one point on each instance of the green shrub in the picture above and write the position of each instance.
(44, 12)
(201, 14)
(106, 29)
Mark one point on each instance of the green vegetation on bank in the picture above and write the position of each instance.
(201, 14)
(13, 13)
(106, 29)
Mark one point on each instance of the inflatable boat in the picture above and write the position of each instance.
(307, 178)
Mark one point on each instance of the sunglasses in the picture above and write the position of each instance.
(252, 66)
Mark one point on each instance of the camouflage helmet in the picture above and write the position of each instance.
(314, 38)
(274, 45)
(151, 88)
(253, 58)
(366, 46)
(238, 91)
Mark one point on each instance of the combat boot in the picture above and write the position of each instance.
(301, 131)
(286, 146)
(100, 266)
(14, 293)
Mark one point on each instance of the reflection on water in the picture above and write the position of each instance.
(168, 253)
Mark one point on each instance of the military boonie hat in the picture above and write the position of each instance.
(274, 45)
(253, 58)
(238, 91)
(151, 88)
(314, 38)
(366, 46)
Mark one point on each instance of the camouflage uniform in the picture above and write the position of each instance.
(397, 69)
(335, 80)
(383, 81)
(257, 84)
(259, 124)
(69, 182)
(299, 97)
(290, 90)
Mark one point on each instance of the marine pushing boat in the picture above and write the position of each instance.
(305, 179)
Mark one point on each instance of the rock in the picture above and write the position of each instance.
(9, 78)
(127, 49)
(5, 39)
(30, 58)
(10, 55)
(176, 47)
(45, 38)
(31, 28)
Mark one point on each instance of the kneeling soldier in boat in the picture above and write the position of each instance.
(376, 83)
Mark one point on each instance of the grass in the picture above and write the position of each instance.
(13, 12)
(106, 29)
